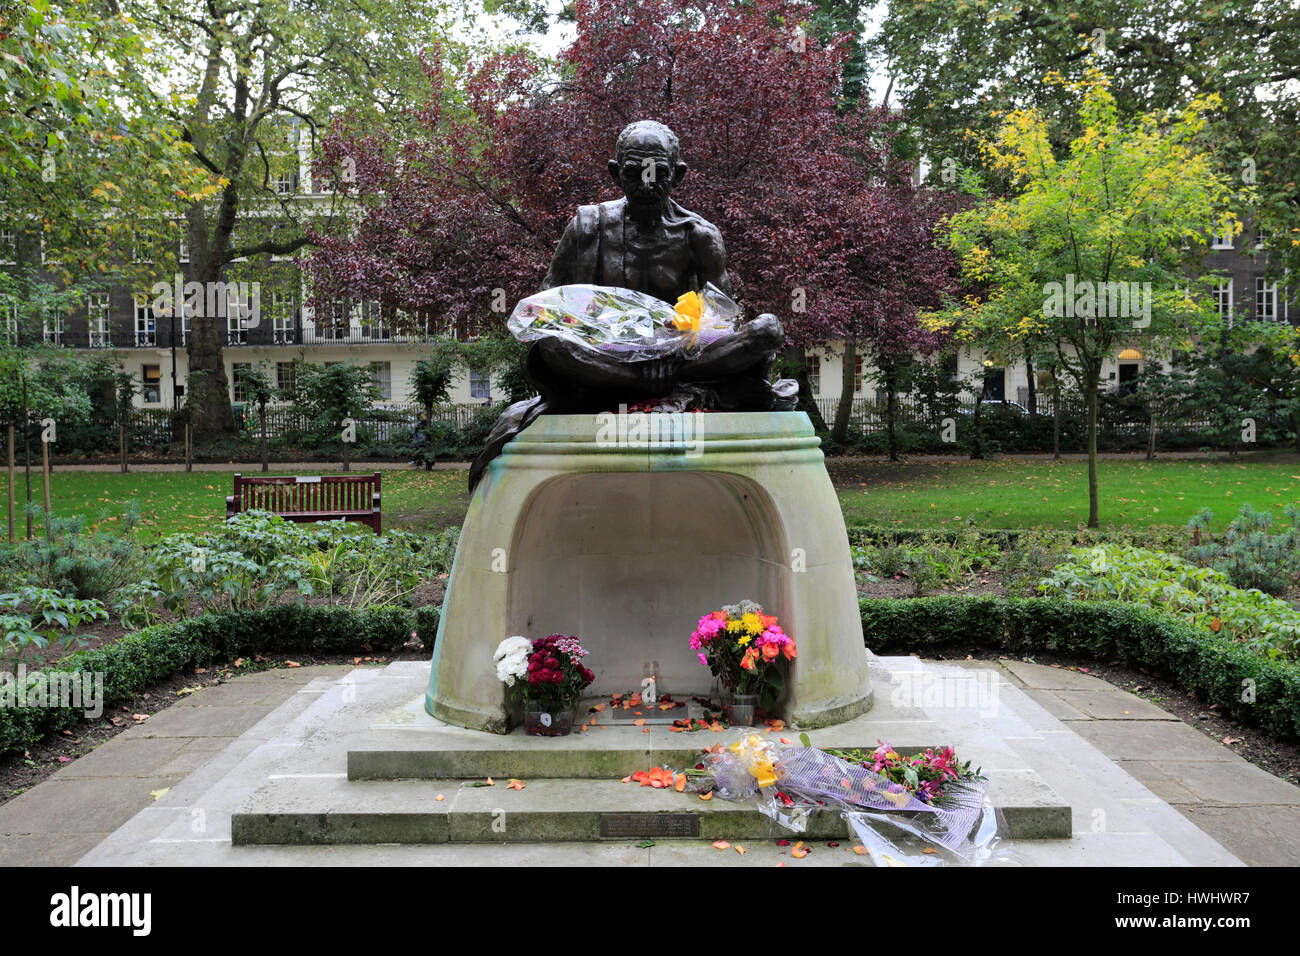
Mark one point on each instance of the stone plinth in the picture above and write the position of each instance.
(625, 530)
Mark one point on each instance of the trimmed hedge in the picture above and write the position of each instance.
(1216, 669)
(138, 661)
(1166, 539)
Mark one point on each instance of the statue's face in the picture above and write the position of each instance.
(646, 172)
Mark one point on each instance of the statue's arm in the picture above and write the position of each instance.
(565, 258)
(710, 256)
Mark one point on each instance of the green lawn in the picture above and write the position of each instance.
(1038, 493)
(177, 501)
(1004, 493)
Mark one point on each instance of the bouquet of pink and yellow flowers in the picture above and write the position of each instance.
(741, 646)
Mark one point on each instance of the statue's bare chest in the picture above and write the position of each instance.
(656, 260)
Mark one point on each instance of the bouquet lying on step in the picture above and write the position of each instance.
(626, 325)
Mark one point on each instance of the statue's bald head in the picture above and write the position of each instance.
(647, 164)
(644, 133)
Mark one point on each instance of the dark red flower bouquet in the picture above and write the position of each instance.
(556, 675)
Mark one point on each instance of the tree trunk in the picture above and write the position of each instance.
(1091, 384)
(121, 445)
(891, 411)
(262, 416)
(1056, 416)
(1032, 380)
(1151, 437)
(848, 379)
(977, 443)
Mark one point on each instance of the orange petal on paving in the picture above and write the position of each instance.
(799, 853)
(740, 850)
(721, 845)
(489, 782)
(785, 740)
(638, 722)
(707, 796)
(627, 779)
(515, 784)
(680, 782)
(598, 708)
(645, 730)
(440, 797)
(860, 850)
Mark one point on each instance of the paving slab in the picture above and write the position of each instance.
(1148, 739)
(1224, 783)
(1111, 705)
(1264, 835)
(1045, 677)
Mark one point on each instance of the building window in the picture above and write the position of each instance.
(949, 365)
(98, 309)
(1223, 301)
(283, 184)
(151, 380)
(236, 334)
(8, 247)
(9, 311)
(381, 373)
(1261, 237)
(237, 382)
(814, 367)
(372, 322)
(1221, 240)
(286, 377)
(146, 332)
(183, 251)
(52, 329)
(857, 374)
(1265, 300)
(282, 309)
(480, 385)
(185, 324)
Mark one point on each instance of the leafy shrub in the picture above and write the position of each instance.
(1249, 688)
(80, 563)
(34, 617)
(1034, 554)
(1202, 596)
(139, 661)
(1247, 552)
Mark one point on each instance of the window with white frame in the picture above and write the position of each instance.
(1265, 300)
(98, 309)
(381, 374)
(52, 328)
(857, 373)
(1223, 301)
(286, 377)
(1222, 240)
(814, 367)
(8, 247)
(146, 328)
(480, 385)
(372, 321)
(151, 384)
(1261, 237)
(183, 251)
(282, 309)
(9, 311)
(283, 184)
(237, 382)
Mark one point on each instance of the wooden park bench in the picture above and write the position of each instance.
(310, 498)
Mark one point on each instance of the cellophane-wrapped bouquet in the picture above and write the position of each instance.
(626, 325)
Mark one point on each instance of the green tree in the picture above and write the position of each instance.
(255, 382)
(1086, 255)
(332, 397)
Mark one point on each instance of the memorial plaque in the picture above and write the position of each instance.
(624, 825)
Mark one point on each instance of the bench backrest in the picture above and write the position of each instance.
(326, 495)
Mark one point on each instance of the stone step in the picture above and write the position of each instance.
(330, 809)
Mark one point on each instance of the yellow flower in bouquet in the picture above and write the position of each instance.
(690, 311)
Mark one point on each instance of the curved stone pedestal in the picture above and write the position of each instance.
(624, 530)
